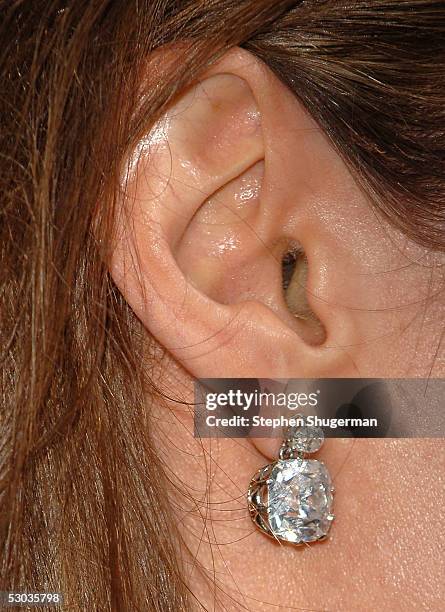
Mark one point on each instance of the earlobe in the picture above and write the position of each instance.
(209, 215)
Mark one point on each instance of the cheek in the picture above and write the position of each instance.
(379, 294)
(371, 276)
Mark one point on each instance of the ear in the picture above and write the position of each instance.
(235, 185)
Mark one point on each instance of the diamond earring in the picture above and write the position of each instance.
(291, 498)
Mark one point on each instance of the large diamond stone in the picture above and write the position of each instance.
(299, 500)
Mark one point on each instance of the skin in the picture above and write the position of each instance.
(235, 173)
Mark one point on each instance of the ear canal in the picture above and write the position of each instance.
(295, 268)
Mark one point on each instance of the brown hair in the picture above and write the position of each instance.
(81, 492)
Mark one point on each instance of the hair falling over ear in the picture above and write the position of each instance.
(82, 492)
